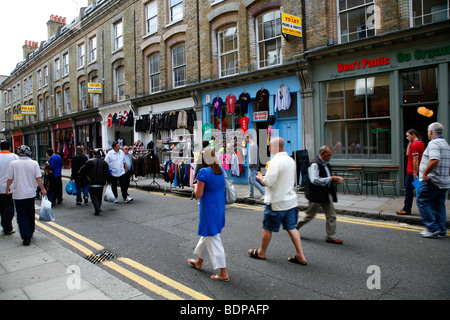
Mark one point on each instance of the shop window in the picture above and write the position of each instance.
(268, 35)
(426, 11)
(292, 112)
(358, 124)
(356, 19)
(228, 51)
(419, 86)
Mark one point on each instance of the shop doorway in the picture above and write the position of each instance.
(261, 132)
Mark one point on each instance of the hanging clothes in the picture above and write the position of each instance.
(282, 99)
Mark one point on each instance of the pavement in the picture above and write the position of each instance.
(46, 270)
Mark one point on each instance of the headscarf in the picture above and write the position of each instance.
(24, 151)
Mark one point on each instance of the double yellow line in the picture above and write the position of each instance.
(51, 228)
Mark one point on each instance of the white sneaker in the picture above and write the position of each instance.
(128, 199)
(427, 234)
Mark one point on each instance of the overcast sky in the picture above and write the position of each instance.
(22, 20)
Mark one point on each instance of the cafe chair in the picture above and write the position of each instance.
(353, 177)
(387, 176)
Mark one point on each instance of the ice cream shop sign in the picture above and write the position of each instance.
(363, 64)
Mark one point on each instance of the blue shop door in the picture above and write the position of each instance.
(288, 131)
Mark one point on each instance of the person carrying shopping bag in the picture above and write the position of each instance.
(210, 190)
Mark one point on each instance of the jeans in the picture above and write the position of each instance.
(6, 212)
(81, 186)
(431, 203)
(253, 182)
(25, 217)
(409, 188)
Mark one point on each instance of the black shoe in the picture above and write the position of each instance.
(85, 200)
(26, 242)
(78, 203)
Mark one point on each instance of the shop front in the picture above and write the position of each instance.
(264, 109)
(366, 103)
(17, 139)
(63, 141)
(117, 124)
(88, 133)
(44, 142)
(29, 139)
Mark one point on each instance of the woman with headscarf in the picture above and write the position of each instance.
(25, 172)
(210, 190)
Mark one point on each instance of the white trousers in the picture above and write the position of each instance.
(213, 247)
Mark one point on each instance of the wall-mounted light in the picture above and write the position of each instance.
(425, 112)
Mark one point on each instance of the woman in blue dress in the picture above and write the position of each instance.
(210, 190)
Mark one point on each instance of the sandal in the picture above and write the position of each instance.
(254, 254)
(295, 260)
(217, 278)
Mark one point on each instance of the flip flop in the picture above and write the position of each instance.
(191, 262)
(217, 278)
(254, 254)
(295, 260)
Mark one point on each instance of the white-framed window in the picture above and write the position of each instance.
(45, 76)
(58, 103)
(92, 56)
(179, 66)
(41, 109)
(65, 64)
(175, 10)
(268, 35)
(25, 87)
(151, 17)
(30, 84)
(82, 95)
(154, 71)
(81, 55)
(120, 83)
(57, 65)
(426, 11)
(67, 100)
(39, 79)
(94, 97)
(118, 35)
(47, 107)
(228, 51)
(356, 19)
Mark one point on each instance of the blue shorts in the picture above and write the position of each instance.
(273, 219)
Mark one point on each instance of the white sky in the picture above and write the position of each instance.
(22, 20)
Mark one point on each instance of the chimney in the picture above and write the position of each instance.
(54, 25)
(28, 48)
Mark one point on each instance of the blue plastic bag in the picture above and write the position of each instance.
(416, 183)
(46, 213)
(71, 188)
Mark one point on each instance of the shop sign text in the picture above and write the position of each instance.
(363, 64)
(423, 54)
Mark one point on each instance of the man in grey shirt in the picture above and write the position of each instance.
(253, 166)
(434, 173)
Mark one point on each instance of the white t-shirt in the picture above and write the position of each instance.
(5, 159)
(24, 173)
(279, 183)
(115, 162)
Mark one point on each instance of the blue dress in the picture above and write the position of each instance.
(212, 203)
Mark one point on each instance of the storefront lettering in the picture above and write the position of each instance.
(423, 54)
(363, 64)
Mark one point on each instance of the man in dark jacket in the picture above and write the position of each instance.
(96, 173)
(78, 160)
(319, 189)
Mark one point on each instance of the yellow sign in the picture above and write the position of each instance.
(94, 87)
(28, 110)
(17, 117)
(291, 25)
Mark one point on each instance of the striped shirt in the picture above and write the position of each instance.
(437, 149)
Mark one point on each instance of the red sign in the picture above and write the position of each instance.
(260, 116)
(363, 64)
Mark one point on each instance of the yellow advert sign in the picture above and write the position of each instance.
(291, 25)
(94, 87)
(28, 110)
(17, 117)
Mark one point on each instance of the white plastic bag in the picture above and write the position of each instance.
(46, 213)
(109, 195)
(230, 193)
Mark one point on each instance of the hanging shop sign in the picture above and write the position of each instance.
(17, 117)
(291, 25)
(28, 110)
(94, 87)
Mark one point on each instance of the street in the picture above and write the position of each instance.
(154, 235)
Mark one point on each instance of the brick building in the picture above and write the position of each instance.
(343, 83)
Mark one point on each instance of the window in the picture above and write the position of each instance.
(65, 64)
(47, 107)
(426, 11)
(419, 86)
(58, 104)
(154, 73)
(30, 83)
(228, 51)
(151, 18)
(118, 35)
(268, 34)
(67, 100)
(25, 87)
(41, 109)
(92, 56)
(57, 69)
(120, 83)
(179, 66)
(81, 54)
(175, 10)
(356, 19)
(82, 95)
(358, 124)
(94, 97)
(45, 76)
(39, 79)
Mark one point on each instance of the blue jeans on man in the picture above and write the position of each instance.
(252, 182)
(431, 203)
(409, 189)
(82, 187)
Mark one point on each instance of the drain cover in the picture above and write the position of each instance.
(100, 257)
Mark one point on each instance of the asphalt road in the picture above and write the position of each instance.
(158, 233)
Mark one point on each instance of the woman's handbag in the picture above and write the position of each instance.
(230, 193)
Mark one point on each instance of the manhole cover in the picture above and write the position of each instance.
(100, 257)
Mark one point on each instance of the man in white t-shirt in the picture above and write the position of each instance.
(6, 201)
(25, 173)
(117, 165)
(281, 202)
